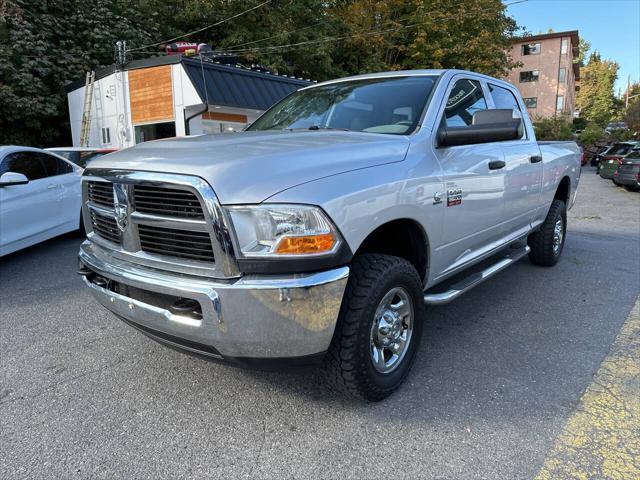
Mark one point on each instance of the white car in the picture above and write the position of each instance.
(40, 197)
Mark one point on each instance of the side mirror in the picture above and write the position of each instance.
(486, 126)
(9, 179)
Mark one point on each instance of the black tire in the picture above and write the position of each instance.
(348, 366)
(541, 241)
(630, 188)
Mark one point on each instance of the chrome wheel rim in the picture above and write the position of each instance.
(558, 234)
(391, 330)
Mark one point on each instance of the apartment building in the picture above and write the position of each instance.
(548, 76)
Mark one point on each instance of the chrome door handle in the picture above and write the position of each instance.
(50, 187)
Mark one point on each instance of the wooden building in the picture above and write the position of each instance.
(172, 96)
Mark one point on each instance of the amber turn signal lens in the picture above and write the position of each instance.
(306, 244)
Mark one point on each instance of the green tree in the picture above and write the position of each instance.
(44, 45)
(553, 129)
(595, 99)
(632, 111)
(583, 49)
(591, 134)
(474, 35)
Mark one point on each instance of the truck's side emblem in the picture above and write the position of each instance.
(121, 206)
(454, 197)
(437, 198)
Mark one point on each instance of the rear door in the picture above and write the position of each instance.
(66, 179)
(31, 210)
(473, 196)
(523, 185)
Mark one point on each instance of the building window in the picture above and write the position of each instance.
(564, 46)
(106, 136)
(530, 102)
(562, 76)
(154, 131)
(531, 49)
(529, 76)
(559, 103)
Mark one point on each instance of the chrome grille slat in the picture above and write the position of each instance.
(105, 227)
(196, 238)
(167, 201)
(176, 243)
(100, 193)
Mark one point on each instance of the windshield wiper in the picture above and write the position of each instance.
(324, 127)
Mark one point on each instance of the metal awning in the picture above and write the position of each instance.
(230, 86)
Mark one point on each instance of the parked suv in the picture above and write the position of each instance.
(613, 158)
(322, 234)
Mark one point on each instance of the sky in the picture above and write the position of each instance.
(611, 26)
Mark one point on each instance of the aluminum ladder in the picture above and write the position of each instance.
(85, 127)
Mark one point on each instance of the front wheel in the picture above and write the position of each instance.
(378, 329)
(547, 243)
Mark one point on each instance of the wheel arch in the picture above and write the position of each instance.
(402, 237)
(563, 192)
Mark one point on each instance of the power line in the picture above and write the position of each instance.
(203, 28)
(277, 35)
(342, 37)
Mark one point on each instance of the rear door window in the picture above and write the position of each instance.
(505, 99)
(55, 166)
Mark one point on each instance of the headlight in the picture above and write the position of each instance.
(283, 230)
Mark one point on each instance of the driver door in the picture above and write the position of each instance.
(473, 193)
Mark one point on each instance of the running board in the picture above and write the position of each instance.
(475, 279)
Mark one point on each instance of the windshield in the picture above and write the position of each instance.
(380, 105)
(620, 149)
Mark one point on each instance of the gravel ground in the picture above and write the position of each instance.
(497, 375)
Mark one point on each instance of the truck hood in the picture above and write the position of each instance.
(249, 167)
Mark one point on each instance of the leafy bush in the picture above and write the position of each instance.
(621, 135)
(553, 129)
(580, 123)
(591, 134)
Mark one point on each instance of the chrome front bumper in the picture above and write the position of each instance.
(253, 317)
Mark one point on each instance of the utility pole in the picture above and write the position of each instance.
(626, 103)
(121, 53)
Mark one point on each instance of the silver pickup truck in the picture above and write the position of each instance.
(322, 233)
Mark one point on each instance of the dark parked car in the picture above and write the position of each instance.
(613, 158)
(595, 159)
(628, 173)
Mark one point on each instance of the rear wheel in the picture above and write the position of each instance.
(378, 330)
(547, 243)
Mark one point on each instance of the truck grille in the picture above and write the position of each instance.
(184, 231)
(100, 193)
(167, 201)
(105, 227)
(177, 243)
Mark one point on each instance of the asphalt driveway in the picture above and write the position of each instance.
(498, 374)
